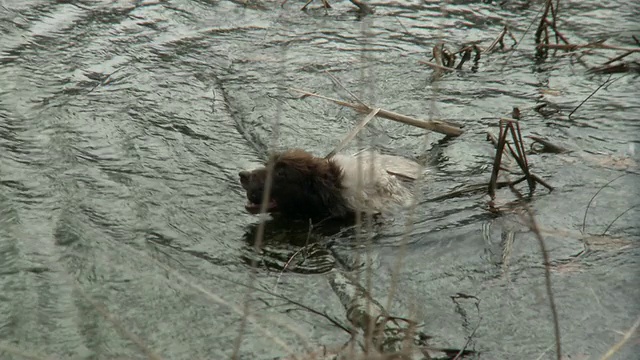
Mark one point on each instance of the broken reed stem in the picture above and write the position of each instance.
(547, 146)
(496, 162)
(556, 32)
(433, 125)
(497, 40)
(542, 25)
(522, 156)
(507, 127)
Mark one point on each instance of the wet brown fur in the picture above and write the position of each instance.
(303, 185)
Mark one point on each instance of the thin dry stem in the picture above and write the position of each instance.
(547, 278)
(353, 132)
(618, 217)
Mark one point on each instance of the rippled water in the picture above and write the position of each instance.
(123, 125)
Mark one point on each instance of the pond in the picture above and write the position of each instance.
(124, 124)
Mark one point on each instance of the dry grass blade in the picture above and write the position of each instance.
(623, 67)
(337, 82)
(473, 189)
(433, 125)
(589, 97)
(20, 353)
(118, 325)
(618, 217)
(353, 133)
(619, 57)
(584, 219)
(615, 348)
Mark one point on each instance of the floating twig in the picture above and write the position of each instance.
(432, 125)
(547, 146)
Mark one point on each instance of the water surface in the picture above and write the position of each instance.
(123, 126)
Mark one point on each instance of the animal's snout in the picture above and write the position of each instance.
(245, 177)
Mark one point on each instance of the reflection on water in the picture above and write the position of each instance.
(123, 126)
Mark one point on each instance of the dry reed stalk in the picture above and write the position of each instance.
(433, 125)
(543, 28)
(510, 126)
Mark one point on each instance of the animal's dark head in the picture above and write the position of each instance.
(303, 186)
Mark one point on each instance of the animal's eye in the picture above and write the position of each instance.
(279, 173)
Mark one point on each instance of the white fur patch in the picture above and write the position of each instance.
(368, 185)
